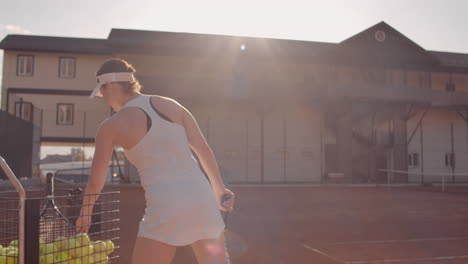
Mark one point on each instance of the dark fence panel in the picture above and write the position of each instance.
(16, 141)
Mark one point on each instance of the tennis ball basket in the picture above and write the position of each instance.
(40, 229)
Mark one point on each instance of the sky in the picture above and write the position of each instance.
(433, 24)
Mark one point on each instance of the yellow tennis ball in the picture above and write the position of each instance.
(87, 250)
(72, 261)
(12, 258)
(49, 258)
(41, 249)
(73, 252)
(100, 258)
(14, 243)
(63, 255)
(84, 251)
(57, 258)
(83, 239)
(73, 242)
(61, 243)
(79, 251)
(73, 246)
(91, 248)
(100, 246)
(49, 248)
(109, 247)
(87, 259)
(11, 249)
(41, 246)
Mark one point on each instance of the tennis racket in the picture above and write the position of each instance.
(53, 223)
(225, 198)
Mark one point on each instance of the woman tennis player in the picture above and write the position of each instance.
(158, 135)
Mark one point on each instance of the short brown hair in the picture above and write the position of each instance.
(120, 65)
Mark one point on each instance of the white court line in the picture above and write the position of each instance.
(323, 254)
(409, 260)
(396, 241)
(405, 260)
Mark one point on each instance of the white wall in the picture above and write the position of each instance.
(437, 140)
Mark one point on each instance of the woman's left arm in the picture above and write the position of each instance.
(208, 161)
(104, 144)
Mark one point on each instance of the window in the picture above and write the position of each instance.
(25, 65)
(64, 114)
(450, 160)
(67, 67)
(23, 110)
(413, 159)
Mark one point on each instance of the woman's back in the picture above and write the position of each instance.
(163, 151)
(177, 192)
(135, 120)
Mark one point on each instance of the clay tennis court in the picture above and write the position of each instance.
(357, 225)
(330, 224)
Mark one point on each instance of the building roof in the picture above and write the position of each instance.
(138, 40)
(362, 47)
(380, 45)
(55, 44)
(450, 59)
(166, 42)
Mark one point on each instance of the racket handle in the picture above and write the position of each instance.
(226, 197)
(50, 184)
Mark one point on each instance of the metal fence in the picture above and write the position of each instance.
(79, 172)
(39, 227)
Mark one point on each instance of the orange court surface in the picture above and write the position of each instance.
(354, 225)
(329, 224)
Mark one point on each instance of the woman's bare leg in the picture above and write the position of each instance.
(210, 251)
(149, 251)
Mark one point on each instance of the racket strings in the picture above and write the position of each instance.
(53, 223)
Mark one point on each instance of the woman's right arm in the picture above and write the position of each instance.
(102, 154)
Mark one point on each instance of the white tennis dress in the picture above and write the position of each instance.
(181, 207)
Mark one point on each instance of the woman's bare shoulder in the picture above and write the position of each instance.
(167, 104)
(170, 107)
(164, 100)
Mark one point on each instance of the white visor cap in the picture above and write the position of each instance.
(111, 77)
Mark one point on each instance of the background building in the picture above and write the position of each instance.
(274, 111)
